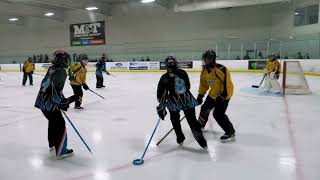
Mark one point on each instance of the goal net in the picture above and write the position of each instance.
(294, 81)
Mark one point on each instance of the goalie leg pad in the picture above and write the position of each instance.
(267, 84)
(275, 86)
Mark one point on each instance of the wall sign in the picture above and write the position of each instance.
(87, 34)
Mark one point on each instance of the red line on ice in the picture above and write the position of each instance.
(299, 174)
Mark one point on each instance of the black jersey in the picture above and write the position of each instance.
(174, 91)
(50, 95)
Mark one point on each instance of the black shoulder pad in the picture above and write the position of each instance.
(221, 67)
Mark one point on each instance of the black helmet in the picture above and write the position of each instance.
(171, 59)
(272, 57)
(171, 63)
(211, 56)
(61, 58)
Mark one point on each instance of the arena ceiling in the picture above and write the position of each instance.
(38, 8)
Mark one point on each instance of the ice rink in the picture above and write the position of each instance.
(277, 137)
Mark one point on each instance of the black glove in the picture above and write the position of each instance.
(64, 104)
(161, 112)
(220, 99)
(200, 99)
(71, 77)
(85, 86)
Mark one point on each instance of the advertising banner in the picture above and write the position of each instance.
(154, 65)
(86, 34)
(118, 65)
(186, 64)
(46, 66)
(182, 65)
(256, 65)
(163, 66)
(138, 65)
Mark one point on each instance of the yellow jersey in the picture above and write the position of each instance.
(218, 80)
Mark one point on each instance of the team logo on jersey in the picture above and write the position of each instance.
(180, 86)
(211, 81)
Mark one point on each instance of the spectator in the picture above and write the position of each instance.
(299, 56)
(41, 58)
(260, 55)
(34, 58)
(46, 58)
(148, 59)
(238, 58)
(308, 57)
(246, 56)
(74, 55)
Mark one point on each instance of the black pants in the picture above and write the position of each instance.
(25, 76)
(99, 81)
(57, 135)
(220, 107)
(77, 90)
(194, 126)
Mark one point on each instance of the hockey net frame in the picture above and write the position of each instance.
(288, 88)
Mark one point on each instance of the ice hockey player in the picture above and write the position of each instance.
(77, 76)
(51, 101)
(100, 68)
(272, 73)
(28, 68)
(215, 77)
(174, 94)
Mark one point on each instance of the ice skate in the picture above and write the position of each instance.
(52, 149)
(79, 108)
(228, 138)
(180, 140)
(69, 153)
(275, 91)
(266, 89)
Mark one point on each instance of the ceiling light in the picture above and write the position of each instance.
(49, 14)
(296, 13)
(147, 1)
(91, 8)
(232, 37)
(13, 19)
(291, 37)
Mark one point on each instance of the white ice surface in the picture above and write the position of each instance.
(277, 138)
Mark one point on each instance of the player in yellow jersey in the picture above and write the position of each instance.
(216, 79)
(77, 77)
(28, 68)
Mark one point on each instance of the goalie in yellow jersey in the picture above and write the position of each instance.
(272, 72)
(216, 79)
